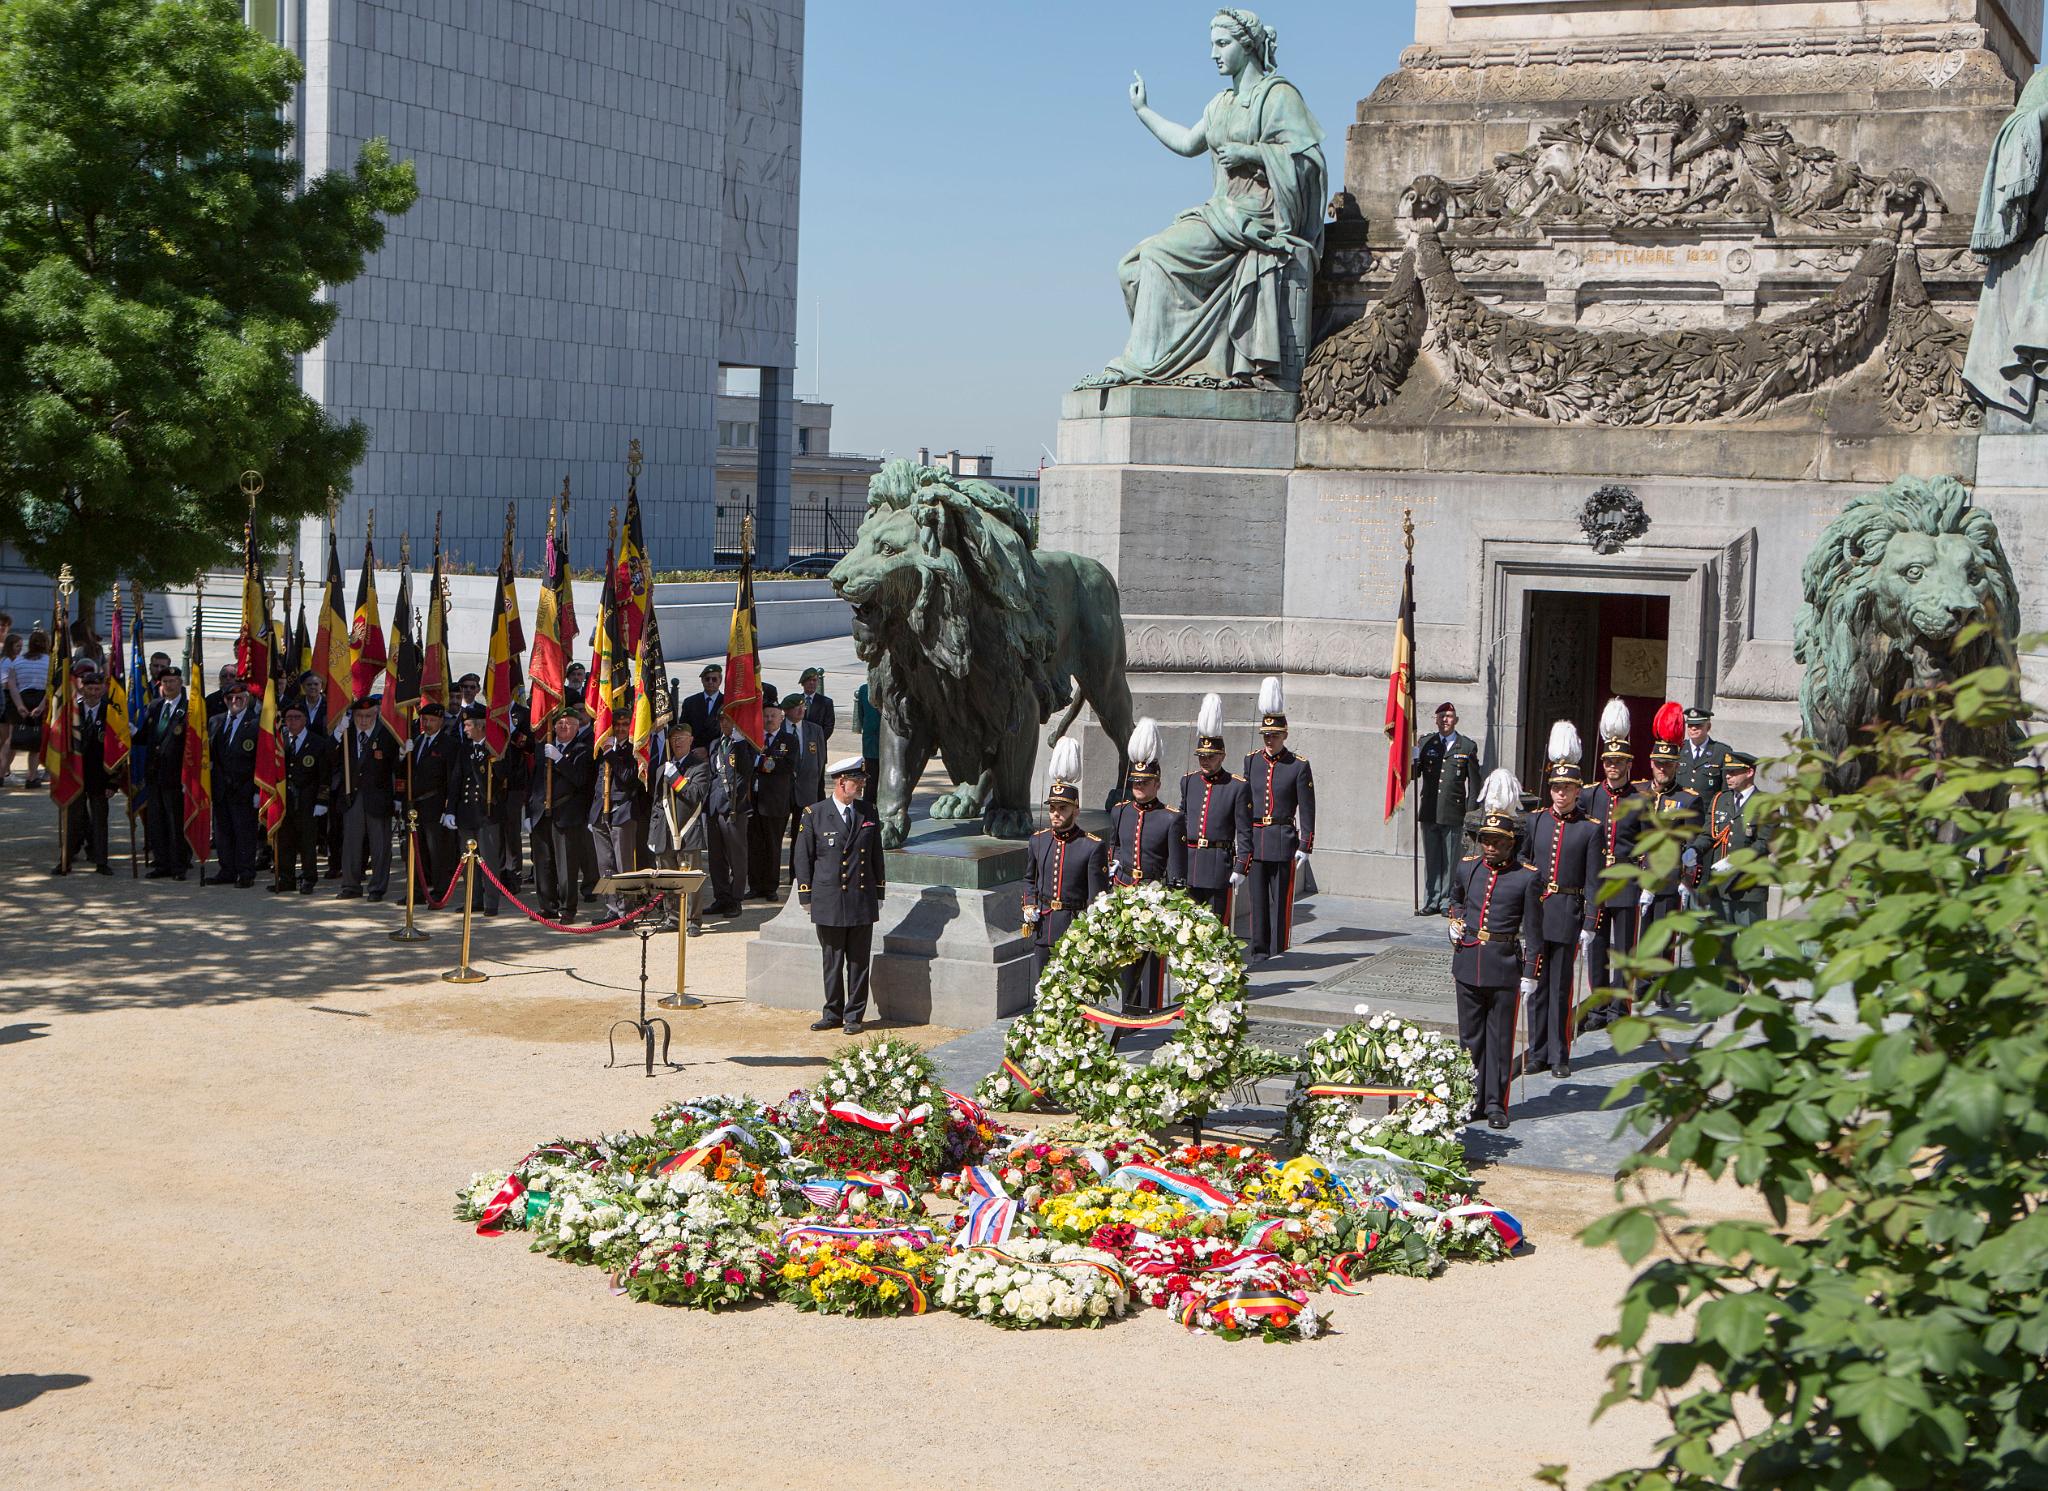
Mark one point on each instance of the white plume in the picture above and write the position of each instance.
(1564, 742)
(1144, 744)
(1614, 721)
(1066, 761)
(1272, 698)
(1209, 718)
(1502, 793)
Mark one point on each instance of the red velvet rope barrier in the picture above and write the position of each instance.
(434, 902)
(533, 915)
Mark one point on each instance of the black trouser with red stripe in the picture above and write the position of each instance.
(1550, 1007)
(1486, 1028)
(1217, 900)
(1616, 933)
(1272, 904)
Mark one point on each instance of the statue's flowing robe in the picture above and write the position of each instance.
(1206, 296)
(2008, 357)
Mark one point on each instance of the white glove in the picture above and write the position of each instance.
(1643, 901)
(1235, 880)
(1030, 916)
(529, 824)
(1585, 943)
(1115, 868)
(1301, 856)
(1528, 986)
(553, 752)
(1685, 898)
(1690, 858)
(1456, 931)
(447, 820)
(1719, 866)
(319, 810)
(669, 771)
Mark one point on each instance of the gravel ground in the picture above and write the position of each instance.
(236, 1124)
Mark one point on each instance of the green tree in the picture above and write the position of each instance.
(1888, 1327)
(161, 268)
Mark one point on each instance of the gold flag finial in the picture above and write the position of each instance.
(65, 584)
(252, 487)
(1408, 531)
(330, 504)
(633, 457)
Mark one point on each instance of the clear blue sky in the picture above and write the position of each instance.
(973, 172)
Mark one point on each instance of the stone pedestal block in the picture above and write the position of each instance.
(948, 948)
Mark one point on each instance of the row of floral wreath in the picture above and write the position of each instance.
(877, 1192)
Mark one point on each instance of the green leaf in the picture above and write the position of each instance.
(1883, 1407)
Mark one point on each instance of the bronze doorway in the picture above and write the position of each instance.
(1582, 650)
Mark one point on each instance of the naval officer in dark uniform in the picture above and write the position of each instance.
(1145, 844)
(1564, 845)
(1064, 868)
(1495, 907)
(1215, 816)
(840, 880)
(1283, 807)
(482, 783)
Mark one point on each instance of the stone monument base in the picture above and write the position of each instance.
(948, 949)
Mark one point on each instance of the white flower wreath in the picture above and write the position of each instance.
(1055, 1057)
(1380, 1051)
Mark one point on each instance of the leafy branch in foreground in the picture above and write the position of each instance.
(1887, 1329)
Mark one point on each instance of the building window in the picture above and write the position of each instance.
(725, 432)
(803, 439)
(262, 16)
(746, 434)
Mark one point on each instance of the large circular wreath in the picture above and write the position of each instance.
(1055, 1057)
(1384, 1054)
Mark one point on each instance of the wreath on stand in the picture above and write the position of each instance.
(1058, 1053)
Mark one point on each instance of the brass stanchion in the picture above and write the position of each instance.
(409, 932)
(681, 999)
(464, 974)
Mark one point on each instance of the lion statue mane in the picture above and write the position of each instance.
(972, 640)
(1888, 587)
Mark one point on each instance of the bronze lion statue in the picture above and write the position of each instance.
(972, 640)
(1888, 587)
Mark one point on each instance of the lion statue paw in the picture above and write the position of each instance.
(961, 802)
(1008, 823)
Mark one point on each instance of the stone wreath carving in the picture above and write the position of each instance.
(1611, 517)
(1566, 375)
(1662, 158)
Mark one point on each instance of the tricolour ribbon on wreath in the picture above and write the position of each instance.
(1090, 1265)
(820, 1232)
(881, 1123)
(1190, 1188)
(832, 1194)
(1503, 1223)
(966, 1109)
(990, 1212)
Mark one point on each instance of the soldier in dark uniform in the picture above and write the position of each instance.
(1702, 760)
(774, 801)
(730, 805)
(482, 783)
(361, 791)
(1666, 796)
(308, 778)
(1733, 826)
(618, 813)
(810, 766)
(234, 788)
(1283, 808)
(1564, 845)
(1215, 816)
(1145, 844)
(88, 815)
(164, 814)
(840, 880)
(516, 766)
(558, 807)
(1616, 805)
(818, 709)
(430, 766)
(1495, 911)
(1446, 789)
(1064, 868)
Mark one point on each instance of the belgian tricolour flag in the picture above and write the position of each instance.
(743, 658)
(1401, 697)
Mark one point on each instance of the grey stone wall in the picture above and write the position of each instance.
(600, 221)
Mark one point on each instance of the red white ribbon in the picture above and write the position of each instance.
(495, 1209)
(881, 1123)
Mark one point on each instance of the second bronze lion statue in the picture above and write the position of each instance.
(972, 641)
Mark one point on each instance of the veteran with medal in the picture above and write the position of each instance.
(840, 880)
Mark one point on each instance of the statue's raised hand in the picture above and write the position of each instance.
(1137, 90)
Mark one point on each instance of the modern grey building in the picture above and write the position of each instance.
(607, 216)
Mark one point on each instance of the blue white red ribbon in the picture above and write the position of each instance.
(968, 1111)
(988, 1221)
(1190, 1188)
(982, 1181)
(1509, 1230)
(819, 1232)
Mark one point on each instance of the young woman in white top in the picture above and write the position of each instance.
(28, 679)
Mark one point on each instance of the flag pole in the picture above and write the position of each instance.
(63, 639)
(1414, 808)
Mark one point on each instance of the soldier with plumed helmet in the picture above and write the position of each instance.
(1667, 797)
(1617, 805)
(1496, 911)
(1145, 844)
(1215, 816)
(1564, 845)
(1065, 867)
(1283, 809)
